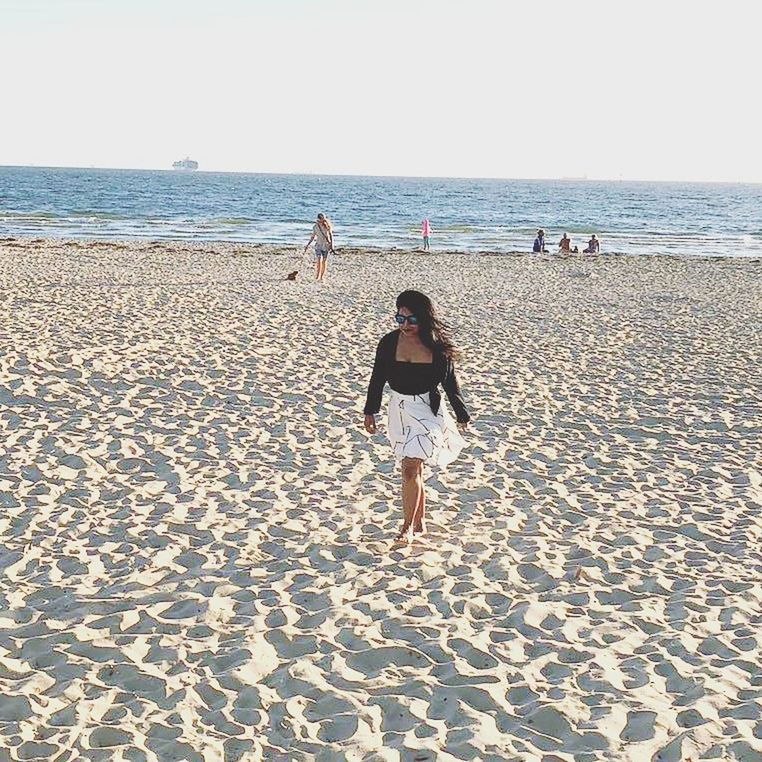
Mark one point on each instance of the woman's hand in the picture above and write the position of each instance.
(463, 426)
(370, 424)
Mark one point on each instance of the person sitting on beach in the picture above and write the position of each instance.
(593, 246)
(322, 234)
(426, 233)
(415, 359)
(564, 245)
(539, 243)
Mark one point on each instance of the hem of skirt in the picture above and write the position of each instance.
(431, 462)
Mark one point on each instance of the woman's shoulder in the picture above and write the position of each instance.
(389, 339)
(445, 356)
(388, 344)
(387, 347)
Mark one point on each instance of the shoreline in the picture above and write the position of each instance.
(237, 247)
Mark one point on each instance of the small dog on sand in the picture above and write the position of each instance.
(292, 275)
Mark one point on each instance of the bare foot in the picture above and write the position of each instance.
(405, 535)
(420, 528)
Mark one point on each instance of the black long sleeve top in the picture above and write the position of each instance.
(442, 372)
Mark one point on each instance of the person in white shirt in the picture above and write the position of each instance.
(322, 234)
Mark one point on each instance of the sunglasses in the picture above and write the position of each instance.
(412, 319)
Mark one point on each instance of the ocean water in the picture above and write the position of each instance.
(691, 219)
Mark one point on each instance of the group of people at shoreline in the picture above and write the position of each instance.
(565, 244)
(322, 235)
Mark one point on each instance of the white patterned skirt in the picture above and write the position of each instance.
(415, 432)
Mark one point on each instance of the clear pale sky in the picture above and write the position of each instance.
(476, 88)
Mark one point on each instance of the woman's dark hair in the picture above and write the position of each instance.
(432, 330)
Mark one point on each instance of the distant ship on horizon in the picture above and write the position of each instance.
(186, 164)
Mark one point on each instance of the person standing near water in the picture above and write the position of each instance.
(414, 360)
(322, 234)
(426, 233)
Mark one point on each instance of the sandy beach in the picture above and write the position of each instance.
(196, 533)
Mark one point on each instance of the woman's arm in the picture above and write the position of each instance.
(452, 390)
(377, 381)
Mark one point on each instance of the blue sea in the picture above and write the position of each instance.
(466, 214)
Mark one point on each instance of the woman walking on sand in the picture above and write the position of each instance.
(322, 234)
(415, 359)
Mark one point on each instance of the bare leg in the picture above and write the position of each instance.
(317, 268)
(412, 491)
(323, 267)
(419, 515)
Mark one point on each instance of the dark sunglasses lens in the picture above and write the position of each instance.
(400, 319)
(412, 319)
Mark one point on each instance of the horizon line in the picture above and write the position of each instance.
(582, 178)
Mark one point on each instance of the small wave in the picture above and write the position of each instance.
(231, 221)
(576, 229)
(95, 214)
(455, 229)
(30, 216)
